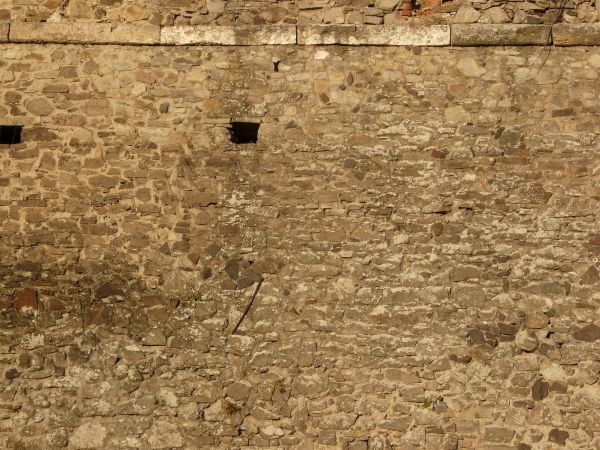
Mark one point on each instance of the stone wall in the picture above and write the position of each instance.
(425, 221)
(372, 12)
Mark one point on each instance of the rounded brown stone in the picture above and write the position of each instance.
(437, 228)
(39, 107)
(589, 333)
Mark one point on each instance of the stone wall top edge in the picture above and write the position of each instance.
(460, 35)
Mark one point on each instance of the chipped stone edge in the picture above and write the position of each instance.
(456, 35)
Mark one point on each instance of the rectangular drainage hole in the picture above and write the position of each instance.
(10, 134)
(244, 132)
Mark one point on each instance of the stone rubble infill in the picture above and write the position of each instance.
(462, 35)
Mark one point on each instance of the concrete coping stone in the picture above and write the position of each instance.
(459, 35)
(473, 35)
(569, 34)
(397, 35)
(222, 35)
(84, 33)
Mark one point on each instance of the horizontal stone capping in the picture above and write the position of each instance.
(431, 35)
(501, 34)
(462, 35)
(84, 33)
(565, 34)
(221, 35)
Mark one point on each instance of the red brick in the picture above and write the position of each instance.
(27, 298)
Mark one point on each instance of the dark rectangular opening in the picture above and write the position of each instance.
(10, 134)
(244, 132)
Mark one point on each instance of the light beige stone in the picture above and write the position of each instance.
(88, 435)
(496, 15)
(82, 33)
(165, 434)
(154, 337)
(469, 67)
(396, 35)
(595, 61)
(216, 35)
(39, 107)
(466, 14)
(215, 6)
(386, 5)
(79, 9)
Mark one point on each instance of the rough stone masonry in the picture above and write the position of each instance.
(422, 205)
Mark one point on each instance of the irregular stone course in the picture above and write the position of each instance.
(260, 12)
(425, 221)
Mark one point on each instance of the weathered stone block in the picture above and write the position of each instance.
(397, 35)
(497, 434)
(558, 436)
(473, 35)
(4, 26)
(221, 35)
(88, 435)
(566, 34)
(84, 33)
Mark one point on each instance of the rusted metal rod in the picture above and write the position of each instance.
(248, 306)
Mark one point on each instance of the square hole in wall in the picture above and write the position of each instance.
(10, 134)
(244, 132)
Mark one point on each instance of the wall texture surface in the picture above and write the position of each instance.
(371, 12)
(425, 220)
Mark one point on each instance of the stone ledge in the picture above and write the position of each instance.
(221, 35)
(473, 35)
(459, 35)
(566, 34)
(398, 35)
(84, 33)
